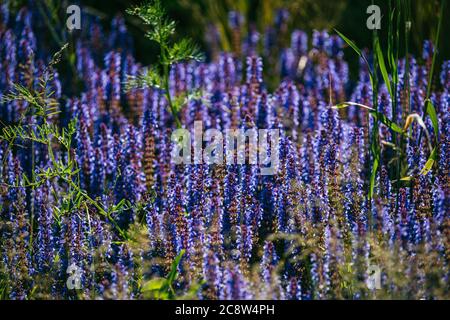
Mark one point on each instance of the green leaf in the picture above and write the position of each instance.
(373, 175)
(349, 103)
(184, 50)
(25, 178)
(388, 122)
(156, 288)
(174, 270)
(430, 162)
(382, 66)
(350, 43)
(161, 288)
(154, 284)
(431, 111)
(149, 78)
(342, 105)
(359, 52)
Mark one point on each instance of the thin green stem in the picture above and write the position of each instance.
(166, 84)
(396, 50)
(374, 137)
(168, 96)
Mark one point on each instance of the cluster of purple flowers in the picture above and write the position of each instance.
(307, 232)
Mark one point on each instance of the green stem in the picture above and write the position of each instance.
(33, 177)
(166, 84)
(395, 102)
(375, 148)
(168, 96)
(401, 144)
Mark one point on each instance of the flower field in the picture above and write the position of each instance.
(92, 205)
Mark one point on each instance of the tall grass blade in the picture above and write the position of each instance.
(431, 111)
(389, 123)
(350, 43)
(382, 66)
(430, 162)
(358, 51)
(373, 174)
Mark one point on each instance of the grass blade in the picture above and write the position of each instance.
(373, 175)
(433, 63)
(174, 270)
(350, 43)
(383, 69)
(430, 162)
(388, 122)
(381, 117)
(431, 111)
(359, 52)
(344, 105)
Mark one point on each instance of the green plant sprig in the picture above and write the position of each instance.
(162, 31)
(390, 78)
(42, 106)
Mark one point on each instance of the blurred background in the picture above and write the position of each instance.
(203, 19)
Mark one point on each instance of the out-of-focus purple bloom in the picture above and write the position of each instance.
(235, 19)
(428, 50)
(299, 42)
(281, 18)
(320, 40)
(234, 285)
